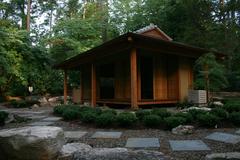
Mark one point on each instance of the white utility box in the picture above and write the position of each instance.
(197, 96)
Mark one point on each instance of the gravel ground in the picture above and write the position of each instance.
(163, 135)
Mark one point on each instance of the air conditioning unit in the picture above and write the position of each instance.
(197, 96)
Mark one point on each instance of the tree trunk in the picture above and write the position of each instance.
(28, 14)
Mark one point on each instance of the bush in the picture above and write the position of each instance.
(208, 120)
(196, 112)
(235, 118)
(232, 106)
(126, 119)
(172, 121)
(142, 113)
(152, 120)
(23, 103)
(88, 116)
(187, 116)
(106, 119)
(219, 112)
(70, 113)
(163, 113)
(3, 117)
(111, 111)
(184, 104)
(59, 109)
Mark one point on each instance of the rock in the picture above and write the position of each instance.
(31, 143)
(10, 119)
(223, 156)
(35, 106)
(197, 108)
(43, 100)
(79, 151)
(183, 130)
(53, 99)
(218, 103)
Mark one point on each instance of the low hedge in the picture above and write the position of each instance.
(88, 116)
(3, 117)
(105, 119)
(219, 112)
(163, 113)
(235, 118)
(232, 106)
(187, 116)
(142, 113)
(126, 119)
(152, 121)
(208, 120)
(173, 121)
(23, 103)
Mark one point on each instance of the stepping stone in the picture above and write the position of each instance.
(238, 132)
(224, 137)
(41, 123)
(74, 134)
(107, 135)
(52, 119)
(143, 143)
(188, 145)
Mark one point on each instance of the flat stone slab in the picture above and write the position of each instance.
(224, 137)
(41, 123)
(143, 143)
(238, 131)
(188, 145)
(74, 134)
(107, 134)
(52, 119)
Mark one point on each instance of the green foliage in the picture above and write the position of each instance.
(173, 121)
(219, 112)
(111, 111)
(23, 103)
(70, 114)
(152, 121)
(208, 120)
(88, 116)
(235, 118)
(187, 116)
(126, 119)
(196, 112)
(232, 106)
(184, 104)
(59, 109)
(142, 113)
(161, 112)
(3, 117)
(105, 119)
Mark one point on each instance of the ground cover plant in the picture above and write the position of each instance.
(3, 117)
(152, 118)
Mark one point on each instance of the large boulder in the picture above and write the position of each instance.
(224, 156)
(80, 151)
(31, 143)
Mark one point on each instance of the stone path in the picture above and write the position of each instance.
(74, 134)
(224, 137)
(238, 131)
(107, 134)
(143, 143)
(188, 145)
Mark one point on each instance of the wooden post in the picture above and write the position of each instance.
(81, 86)
(65, 87)
(94, 91)
(134, 85)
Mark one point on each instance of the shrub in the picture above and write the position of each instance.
(184, 104)
(23, 103)
(196, 112)
(88, 116)
(126, 119)
(105, 119)
(111, 111)
(187, 116)
(70, 113)
(59, 109)
(208, 120)
(3, 117)
(219, 112)
(232, 106)
(152, 120)
(172, 121)
(142, 113)
(163, 113)
(235, 118)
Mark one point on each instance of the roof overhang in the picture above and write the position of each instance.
(133, 40)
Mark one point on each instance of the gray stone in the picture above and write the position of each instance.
(223, 156)
(31, 143)
(196, 108)
(52, 119)
(35, 106)
(107, 135)
(224, 137)
(79, 151)
(218, 103)
(143, 143)
(183, 130)
(188, 145)
(41, 123)
(74, 134)
(238, 131)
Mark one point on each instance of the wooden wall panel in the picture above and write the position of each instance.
(173, 82)
(160, 78)
(86, 82)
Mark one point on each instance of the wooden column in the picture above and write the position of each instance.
(65, 88)
(81, 86)
(93, 84)
(134, 85)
